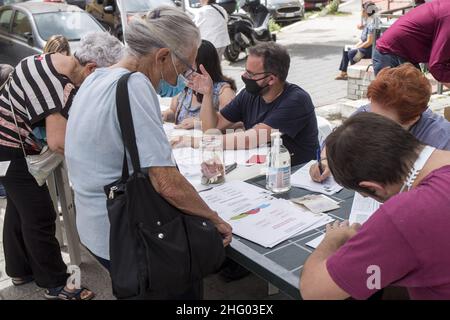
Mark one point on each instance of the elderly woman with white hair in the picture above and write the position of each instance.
(39, 95)
(162, 47)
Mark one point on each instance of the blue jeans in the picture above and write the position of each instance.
(348, 57)
(384, 60)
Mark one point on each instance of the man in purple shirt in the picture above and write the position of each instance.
(404, 243)
(420, 36)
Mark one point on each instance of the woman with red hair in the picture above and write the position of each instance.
(402, 94)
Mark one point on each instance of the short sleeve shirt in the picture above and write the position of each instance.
(94, 147)
(292, 113)
(36, 90)
(405, 243)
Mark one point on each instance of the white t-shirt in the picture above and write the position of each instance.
(213, 26)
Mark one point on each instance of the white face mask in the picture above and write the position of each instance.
(424, 155)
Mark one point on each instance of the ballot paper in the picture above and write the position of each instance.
(302, 179)
(315, 242)
(255, 215)
(362, 208)
(317, 203)
(325, 219)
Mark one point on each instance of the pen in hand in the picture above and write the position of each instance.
(319, 161)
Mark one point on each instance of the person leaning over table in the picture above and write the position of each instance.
(185, 107)
(401, 94)
(162, 46)
(406, 241)
(41, 91)
(420, 36)
(268, 103)
(5, 71)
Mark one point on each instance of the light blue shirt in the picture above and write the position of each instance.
(431, 129)
(94, 147)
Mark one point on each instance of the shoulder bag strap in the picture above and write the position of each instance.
(126, 124)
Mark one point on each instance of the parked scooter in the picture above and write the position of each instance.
(246, 30)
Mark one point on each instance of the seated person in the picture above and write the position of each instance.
(402, 94)
(406, 241)
(363, 49)
(186, 106)
(268, 103)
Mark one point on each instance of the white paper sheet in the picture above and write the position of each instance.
(255, 215)
(302, 179)
(362, 208)
(315, 242)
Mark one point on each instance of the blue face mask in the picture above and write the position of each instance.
(166, 90)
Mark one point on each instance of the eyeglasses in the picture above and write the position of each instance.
(188, 73)
(251, 75)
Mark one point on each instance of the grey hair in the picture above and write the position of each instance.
(163, 27)
(100, 48)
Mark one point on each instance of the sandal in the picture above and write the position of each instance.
(61, 294)
(22, 281)
(341, 77)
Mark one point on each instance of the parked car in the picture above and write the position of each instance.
(315, 4)
(284, 11)
(79, 3)
(25, 27)
(113, 13)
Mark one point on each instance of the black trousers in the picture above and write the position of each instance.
(29, 240)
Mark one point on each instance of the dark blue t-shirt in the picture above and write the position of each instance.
(292, 113)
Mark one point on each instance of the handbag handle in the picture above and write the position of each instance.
(7, 86)
(126, 125)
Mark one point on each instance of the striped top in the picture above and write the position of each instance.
(36, 90)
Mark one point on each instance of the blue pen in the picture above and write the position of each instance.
(319, 162)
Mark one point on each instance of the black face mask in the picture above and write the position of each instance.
(253, 87)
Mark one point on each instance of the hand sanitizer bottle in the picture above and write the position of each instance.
(278, 178)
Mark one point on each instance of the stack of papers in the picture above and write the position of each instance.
(302, 179)
(255, 215)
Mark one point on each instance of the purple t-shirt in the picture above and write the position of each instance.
(408, 238)
(422, 36)
(431, 129)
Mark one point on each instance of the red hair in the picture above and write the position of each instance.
(404, 89)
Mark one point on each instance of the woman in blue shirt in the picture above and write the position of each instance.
(363, 49)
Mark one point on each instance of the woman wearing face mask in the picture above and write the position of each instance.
(162, 46)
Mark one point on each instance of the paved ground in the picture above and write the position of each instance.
(316, 47)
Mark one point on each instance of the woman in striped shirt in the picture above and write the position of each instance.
(41, 90)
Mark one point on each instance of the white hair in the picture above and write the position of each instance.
(163, 27)
(100, 48)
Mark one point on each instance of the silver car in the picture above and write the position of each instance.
(25, 28)
(285, 10)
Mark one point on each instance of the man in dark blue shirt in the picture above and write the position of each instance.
(268, 103)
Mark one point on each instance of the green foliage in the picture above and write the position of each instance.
(273, 26)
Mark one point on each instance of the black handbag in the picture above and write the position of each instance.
(156, 251)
